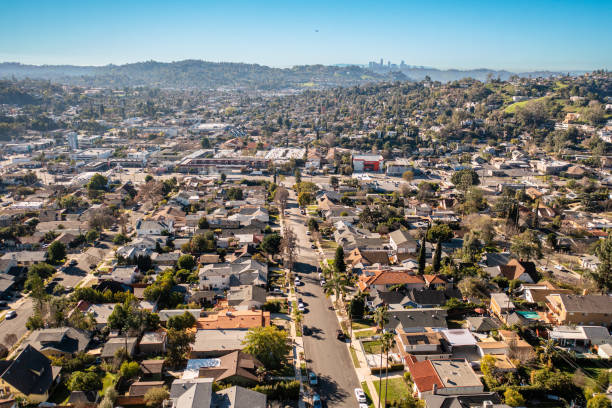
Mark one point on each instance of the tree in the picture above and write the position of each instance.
(408, 175)
(599, 401)
(280, 197)
(381, 317)
(120, 239)
(334, 182)
(421, 260)
(181, 322)
(464, 179)
(271, 244)
(56, 252)
(298, 176)
(269, 345)
(34, 283)
(313, 225)
(44, 270)
(92, 236)
(514, 398)
(154, 397)
(357, 307)
(84, 381)
(305, 198)
(234, 193)
(98, 182)
(470, 247)
(437, 257)
(186, 262)
(388, 341)
(203, 223)
(603, 276)
(205, 143)
(526, 245)
(439, 232)
(129, 369)
(339, 264)
(179, 344)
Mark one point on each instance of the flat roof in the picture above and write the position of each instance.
(456, 373)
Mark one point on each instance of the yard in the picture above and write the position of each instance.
(362, 324)
(372, 347)
(109, 380)
(396, 389)
(364, 333)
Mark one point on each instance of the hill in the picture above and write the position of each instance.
(199, 74)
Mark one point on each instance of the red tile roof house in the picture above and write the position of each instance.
(443, 377)
(383, 280)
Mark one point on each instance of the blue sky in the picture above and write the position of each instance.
(515, 35)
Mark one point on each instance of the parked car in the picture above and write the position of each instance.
(316, 401)
(11, 315)
(312, 378)
(74, 262)
(340, 335)
(312, 246)
(361, 397)
(3, 303)
(323, 282)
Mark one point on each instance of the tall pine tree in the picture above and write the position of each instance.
(421, 259)
(437, 256)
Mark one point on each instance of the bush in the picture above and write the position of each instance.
(280, 391)
(129, 369)
(84, 381)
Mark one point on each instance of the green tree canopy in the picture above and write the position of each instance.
(56, 252)
(269, 345)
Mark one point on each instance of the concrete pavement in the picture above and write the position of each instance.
(325, 355)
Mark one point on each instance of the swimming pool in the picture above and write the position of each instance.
(528, 314)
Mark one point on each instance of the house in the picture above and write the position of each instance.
(214, 343)
(100, 312)
(416, 320)
(385, 279)
(459, 338)
(402, 243)
(26, 258)
(501, 305)
(537, 292)
(236, 367)
(152, 369)
(580, 336)
(567, 309)
(57, 342)
(125, 274)
(198, 393)
(249, 214)
(590, 262)
(234, 319)
(152, 227)
(30, 376)
(245, 297)
(114, 344)
(166, 314)
(443, 377)
(165, 259)
(140, 388)
(153, 342)
(605, 351)
(483, 324)
(227, 274)
(484, 400)
(515, 270)
(422, 346)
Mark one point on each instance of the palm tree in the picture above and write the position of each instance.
(381, 318)
(388, 341)
(336, 285)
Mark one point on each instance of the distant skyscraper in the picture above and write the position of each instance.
(73, 140)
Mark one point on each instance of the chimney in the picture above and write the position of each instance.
(434, 391)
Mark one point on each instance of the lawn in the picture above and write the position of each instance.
(396, 389)
(328, 244)
(366, 389)
(362, 324)
(109, 380)
(512, 108)
(364, 333)
(354, 357)
(372, 347)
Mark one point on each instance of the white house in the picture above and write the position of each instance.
(151, 227)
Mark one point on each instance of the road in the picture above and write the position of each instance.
(25, 307)
(326, 356)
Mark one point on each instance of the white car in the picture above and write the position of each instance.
(323, 282)
(10, 315)
(301, 307)
(361, 397)
(363, 405)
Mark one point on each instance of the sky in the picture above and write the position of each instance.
(514, 35)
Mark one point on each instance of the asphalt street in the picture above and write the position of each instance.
(325, 355)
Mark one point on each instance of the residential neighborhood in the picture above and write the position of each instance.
(412, 244)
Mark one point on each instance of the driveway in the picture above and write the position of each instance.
(325, 355)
